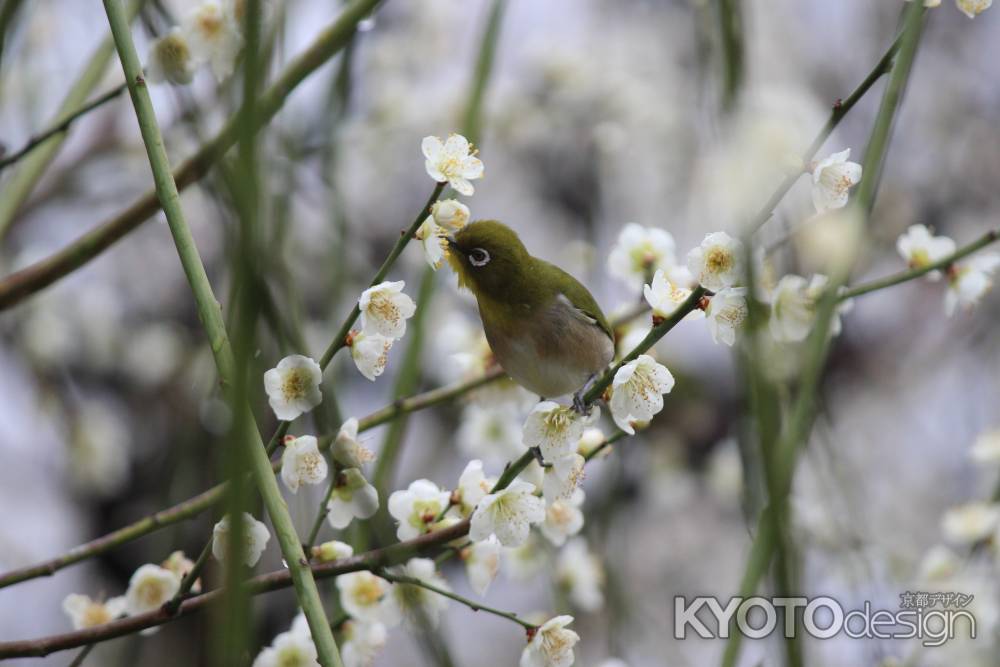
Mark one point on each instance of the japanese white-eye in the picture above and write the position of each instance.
(544, 327)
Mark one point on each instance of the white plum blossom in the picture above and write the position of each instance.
(581, 573)
(551, 645)
(562, 477)
(508, 514)
(726, 312)
(417, 603)
(718, 262)
(492, 432)
(370, 352)
(367, 598)
(347, 450)
(920, 248)
(986, 449)
(450, 214)
(353, 497)
(639, 251)
(969, 280)
(453, 161)
(970, 522)
(293, 386)
(302, 463)
(637, 391)
(255, 538)
(170, 59)
(832, 178)
(434, 241)
(972, 8)
(214, 37)
(385, 309)
(482, 562)
(563, 518)
(149, 588)
(84, 612)
(289, 649)
(418, 508)
(793, 308)
(555, 429)
(362, 643)
(664, 296)
(332, 550)
(473, 485)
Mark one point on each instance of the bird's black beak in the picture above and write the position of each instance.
(451, 243)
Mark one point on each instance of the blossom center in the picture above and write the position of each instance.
(150, 592)
(95, 614)
(295, 384)
(718, 260)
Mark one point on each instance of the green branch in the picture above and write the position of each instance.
(941, 265)
(656, 333)
(799, 422)
(211, 318)
(837, 113)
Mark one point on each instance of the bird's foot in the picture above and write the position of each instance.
(579, 405)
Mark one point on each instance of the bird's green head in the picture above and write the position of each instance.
(488, 257)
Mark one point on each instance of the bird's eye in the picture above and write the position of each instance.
(479, 257)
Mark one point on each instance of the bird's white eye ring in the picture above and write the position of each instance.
(479, 257)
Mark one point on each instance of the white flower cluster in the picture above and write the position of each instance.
(210, 33)
(384, 311)
(969, 279)
(451, 161)
(149, 588)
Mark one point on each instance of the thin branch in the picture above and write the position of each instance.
(471, 604)
(837, 113)
(190, 578)
(61, 126)
(340, 340)
(17, 190)
(889, 281)
(323, 510)
(39, 275)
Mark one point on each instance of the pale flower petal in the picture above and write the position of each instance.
(302, 462)
(293, 386)
(833, 177)
(385, 309)
(255, 538)
(637, 391)
(370, 353)
(718, 262)
(508, 514)
(552, 645)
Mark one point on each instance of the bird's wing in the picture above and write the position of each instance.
(581, 300)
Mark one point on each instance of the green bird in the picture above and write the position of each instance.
(545, 329)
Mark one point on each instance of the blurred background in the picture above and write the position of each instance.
(598, 113)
